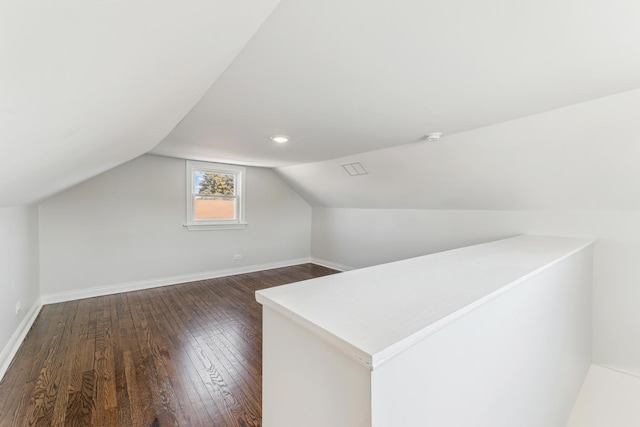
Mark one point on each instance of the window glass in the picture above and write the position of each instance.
(215, 196)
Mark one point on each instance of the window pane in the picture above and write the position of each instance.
(214, 183)
(212, 208)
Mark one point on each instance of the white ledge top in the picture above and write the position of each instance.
(375, 313)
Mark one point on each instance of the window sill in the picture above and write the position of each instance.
(204, 227)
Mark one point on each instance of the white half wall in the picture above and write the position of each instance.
(308, 383)
(364, 237)
(518, 360)
(125, 227)
(497, 334)
(18, 278)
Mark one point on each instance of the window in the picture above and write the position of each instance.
(215, 196)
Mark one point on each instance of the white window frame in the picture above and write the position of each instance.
(240, 173)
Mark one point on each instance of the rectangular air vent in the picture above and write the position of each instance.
(355, 169)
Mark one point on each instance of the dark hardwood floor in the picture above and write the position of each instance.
(187, 355)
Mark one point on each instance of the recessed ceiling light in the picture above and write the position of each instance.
(280, 139)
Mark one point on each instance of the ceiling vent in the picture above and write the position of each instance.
(355, 169)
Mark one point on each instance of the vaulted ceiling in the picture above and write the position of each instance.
(581, 157)
(343, 77)
(87, 86)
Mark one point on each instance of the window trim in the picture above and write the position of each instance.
(240, 181)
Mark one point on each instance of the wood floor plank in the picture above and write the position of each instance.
(215, 380)
(42, 378)
(52, 378)
(183, 355)
(228, 351)
(244, 413)
(60, 408)
(25, 376)
(104, 363)
(193, 409)
(123, 414)
(82, 377)
(140, 400)
(186, 337)
(151, 347)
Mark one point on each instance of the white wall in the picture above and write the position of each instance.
(363, 237)
(126, 226)
(18, 275)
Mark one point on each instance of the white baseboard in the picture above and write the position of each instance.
(12, 347)
(163, 281)
(330, 264)
(9, 351)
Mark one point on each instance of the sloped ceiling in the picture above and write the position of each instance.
(582, 157)
(343, 77)
(88, 85)
(85, 86)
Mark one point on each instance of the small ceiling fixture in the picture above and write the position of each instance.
(280, 139)
(434, 136)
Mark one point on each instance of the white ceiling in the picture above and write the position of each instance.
(343, 77)
(88, 85)
(582, 157)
